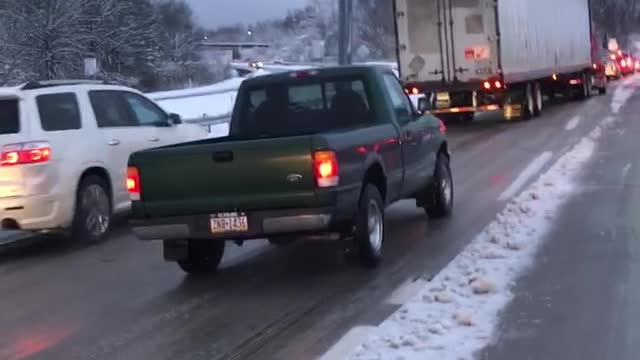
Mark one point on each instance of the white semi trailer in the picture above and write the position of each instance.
(478, 55)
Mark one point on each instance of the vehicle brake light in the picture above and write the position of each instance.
(133, 183)
(415, 91)
(25, 153)
(443, 127)
(325, 166)
(595, 66)
(554, 77)
(623, 63)
(497, 84)
(487, 85)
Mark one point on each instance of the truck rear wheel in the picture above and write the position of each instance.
(204, 257)
(369, 234)
(538, 100)
(528, 106)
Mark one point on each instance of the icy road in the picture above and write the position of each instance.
(544, 267)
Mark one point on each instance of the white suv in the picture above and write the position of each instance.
(64, 151)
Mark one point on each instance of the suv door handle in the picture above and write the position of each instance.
(114, 142)
(154, 139)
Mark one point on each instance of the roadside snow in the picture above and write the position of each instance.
(456, 314)
(623, 92)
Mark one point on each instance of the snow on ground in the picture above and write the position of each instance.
(623, 92)
(227, 85)
(203, 106)
(218, 130)
(456, 313)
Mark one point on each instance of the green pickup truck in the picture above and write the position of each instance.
(309, 153)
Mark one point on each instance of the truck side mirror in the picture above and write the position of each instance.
(423, 105)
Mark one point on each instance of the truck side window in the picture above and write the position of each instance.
(400, 101)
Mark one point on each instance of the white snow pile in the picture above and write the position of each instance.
(456, 314)
(623, 92)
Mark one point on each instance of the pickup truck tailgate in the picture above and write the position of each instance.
(226, 175)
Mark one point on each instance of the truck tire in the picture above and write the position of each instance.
(584, 92)
(537, 99)
(439, 194)
(93, 210)
(370, 229)
(528, 104)
(204, 257)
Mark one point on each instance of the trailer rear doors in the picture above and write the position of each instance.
(447, 41)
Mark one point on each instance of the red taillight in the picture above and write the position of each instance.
(443, 127)
(325, 166)
(133, 183)
(595, 66)
(623, 63)
(497, 84)
(415, 91)
(487, 85)
(25, 153)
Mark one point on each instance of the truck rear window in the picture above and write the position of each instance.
(9, 116)
(303, 107)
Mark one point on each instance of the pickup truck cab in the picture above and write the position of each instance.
(311, 152)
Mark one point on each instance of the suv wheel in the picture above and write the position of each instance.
(92, 216)
(204, 257)
(369, 234)
(439, 194)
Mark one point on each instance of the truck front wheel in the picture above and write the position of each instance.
(369, 233)
(204, 257)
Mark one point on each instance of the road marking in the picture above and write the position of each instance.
(530, 171)
(405, 292)
(573, 122)
(348, 343)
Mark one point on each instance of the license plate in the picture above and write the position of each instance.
(443, 100)
(229, 222)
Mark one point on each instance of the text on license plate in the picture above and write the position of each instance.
(229, 222)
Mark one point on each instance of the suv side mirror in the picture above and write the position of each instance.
(423, 105)
(175, 119)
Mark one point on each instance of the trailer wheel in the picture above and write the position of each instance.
(528, 107)
(538, 100)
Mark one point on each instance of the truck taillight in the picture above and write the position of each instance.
(133, 183)
(325, 166)
(25, 153)
(443, 127)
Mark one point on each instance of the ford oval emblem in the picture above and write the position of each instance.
(294, 177)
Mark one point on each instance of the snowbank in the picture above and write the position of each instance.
(623, 92)
(457, 312)
(227, 85)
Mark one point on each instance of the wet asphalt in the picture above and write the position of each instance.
(581, 300)
(120, 300)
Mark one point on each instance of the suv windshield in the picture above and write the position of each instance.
(303, 107)
(9, 116)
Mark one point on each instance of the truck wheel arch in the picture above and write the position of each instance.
(375, 175)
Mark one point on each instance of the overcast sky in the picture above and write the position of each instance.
(212, 13)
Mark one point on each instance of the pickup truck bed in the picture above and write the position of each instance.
(312, 152)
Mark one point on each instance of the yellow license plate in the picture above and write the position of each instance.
(443, 100)
(229, 222)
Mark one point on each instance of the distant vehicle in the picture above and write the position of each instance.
(479, 55)
(311, 152)
(625, 62)
(64, 152)
(612, 68)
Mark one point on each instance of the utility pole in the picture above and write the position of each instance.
(345, 27)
